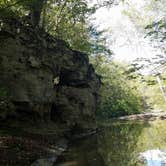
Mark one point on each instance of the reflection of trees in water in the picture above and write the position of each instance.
(114, 146)
(84, 153)
(118, 144)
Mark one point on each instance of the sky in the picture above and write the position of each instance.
(123, 37)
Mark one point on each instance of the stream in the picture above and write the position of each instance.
(121, 143)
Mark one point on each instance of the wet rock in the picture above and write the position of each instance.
(68, 163)
(83, 135)
(45, 162)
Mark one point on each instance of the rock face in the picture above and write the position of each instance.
(45, 79)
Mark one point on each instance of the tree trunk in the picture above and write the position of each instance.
(35, 12)
(161, 87)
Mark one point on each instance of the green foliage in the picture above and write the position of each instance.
(3, 92)
(97, 43)
(152, 92)
(119, 93)
(5, 105)
(64, 19)
(68, 20)
(157, 30)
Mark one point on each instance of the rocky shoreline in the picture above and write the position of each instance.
(145, 116)
(27, 149)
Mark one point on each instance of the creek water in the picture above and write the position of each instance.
(121, 143)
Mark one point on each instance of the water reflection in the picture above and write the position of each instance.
(82, 153)
(154, 157)
(119, 144)
(120, 141)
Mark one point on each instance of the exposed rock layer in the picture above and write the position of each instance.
(45, 79)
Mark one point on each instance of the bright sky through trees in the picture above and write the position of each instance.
(127, 41)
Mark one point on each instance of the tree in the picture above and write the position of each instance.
(34, 8)
(120, 93)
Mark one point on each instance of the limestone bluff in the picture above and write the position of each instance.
(47, 81)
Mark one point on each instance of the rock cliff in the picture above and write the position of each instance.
(42, 80)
